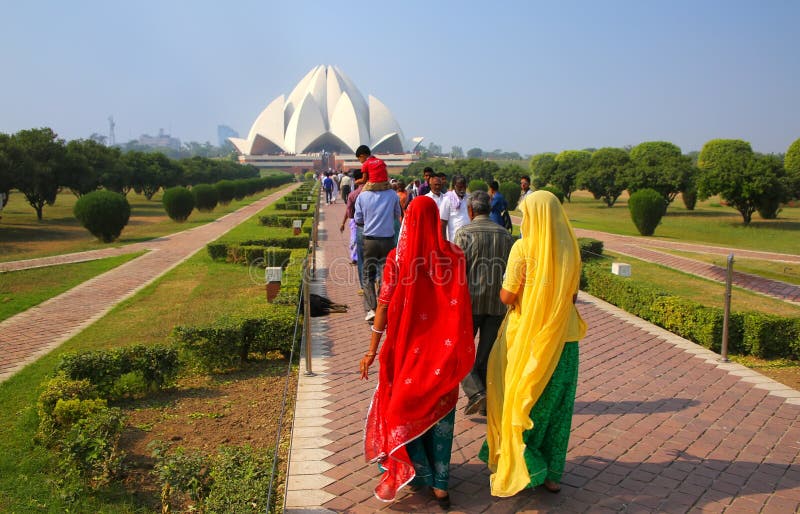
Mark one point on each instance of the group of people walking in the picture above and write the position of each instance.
(450, 273)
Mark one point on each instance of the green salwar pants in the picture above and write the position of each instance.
(546, 443)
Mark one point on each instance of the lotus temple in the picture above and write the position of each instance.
(320, 125)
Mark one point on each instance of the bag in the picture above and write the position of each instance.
(507, 220)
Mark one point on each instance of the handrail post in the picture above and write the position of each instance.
(307, 316)
(727, 315)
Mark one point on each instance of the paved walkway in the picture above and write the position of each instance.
(660, 425)
(34, 332)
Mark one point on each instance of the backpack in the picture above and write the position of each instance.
(507, 220)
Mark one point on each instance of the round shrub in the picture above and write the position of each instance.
(178, 202)
(103, 213)
(226, 190)
(647, 208)
(478, 185)
(556, 191)
(309, 175)
(510, 192)
(206, 197)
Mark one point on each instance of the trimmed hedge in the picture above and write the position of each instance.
(227, 342)
(590, 248)
(749, 333)
(156, 366)
(249, 254)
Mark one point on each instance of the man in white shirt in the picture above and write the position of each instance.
(453, 209)
(525, 189)
(435, 183)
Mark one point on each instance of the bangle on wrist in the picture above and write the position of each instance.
(377, 331)
(371, 354)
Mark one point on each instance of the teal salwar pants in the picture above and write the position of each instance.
(431, 453)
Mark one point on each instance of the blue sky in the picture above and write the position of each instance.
(520, 76)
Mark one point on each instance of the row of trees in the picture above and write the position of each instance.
(747, 181)
(39, 165)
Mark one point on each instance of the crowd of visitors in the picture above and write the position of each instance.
(437, 269)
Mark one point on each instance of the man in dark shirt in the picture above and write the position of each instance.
(486, 247)
(425, 187)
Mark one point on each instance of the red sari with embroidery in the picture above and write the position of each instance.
(429, 346)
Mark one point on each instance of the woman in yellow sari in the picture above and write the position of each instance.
(532, 373)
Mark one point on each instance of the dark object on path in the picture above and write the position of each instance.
(321, 306)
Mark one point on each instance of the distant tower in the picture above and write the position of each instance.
(112, 140)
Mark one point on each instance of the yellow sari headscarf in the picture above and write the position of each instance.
(519, 370)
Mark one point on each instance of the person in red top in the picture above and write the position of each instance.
(373, 169)
(424, 308)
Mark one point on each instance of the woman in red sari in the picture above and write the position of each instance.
(424, 308)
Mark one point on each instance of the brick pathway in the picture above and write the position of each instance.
(640, 248)
(660, 425)
(34, 332)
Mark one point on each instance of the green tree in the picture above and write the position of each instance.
(659, 165)
(475, 169)
(543, 165)
(474, 153)
(457, 152)
(605, 177)
(791, 163)
(6, 174)
(776, 188)
(510, 173)
(730, 169)
(569, 164)
(152, 171)
(87, 161)
(37, 158)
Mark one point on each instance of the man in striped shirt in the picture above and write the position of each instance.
(486, 247)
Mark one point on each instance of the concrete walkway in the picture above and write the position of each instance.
(660, 425)
(34, 332)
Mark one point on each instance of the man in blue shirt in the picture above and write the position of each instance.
(499, 204)
(376, 211)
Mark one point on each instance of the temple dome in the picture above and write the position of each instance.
(324, 112)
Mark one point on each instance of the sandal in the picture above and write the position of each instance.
(551, 486)
(443, 501)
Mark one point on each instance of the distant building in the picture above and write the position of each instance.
(160, 141)
(223, 133)
(324, 114)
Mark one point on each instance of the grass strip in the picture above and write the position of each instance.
(23, 289)
(196, 292)
(701, 290)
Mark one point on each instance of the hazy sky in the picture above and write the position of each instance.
(521, 76)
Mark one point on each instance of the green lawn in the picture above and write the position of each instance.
(700, 290)
(22, 236)
(708, 223)
(783, 271)
(195, 292)
(21, 290)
